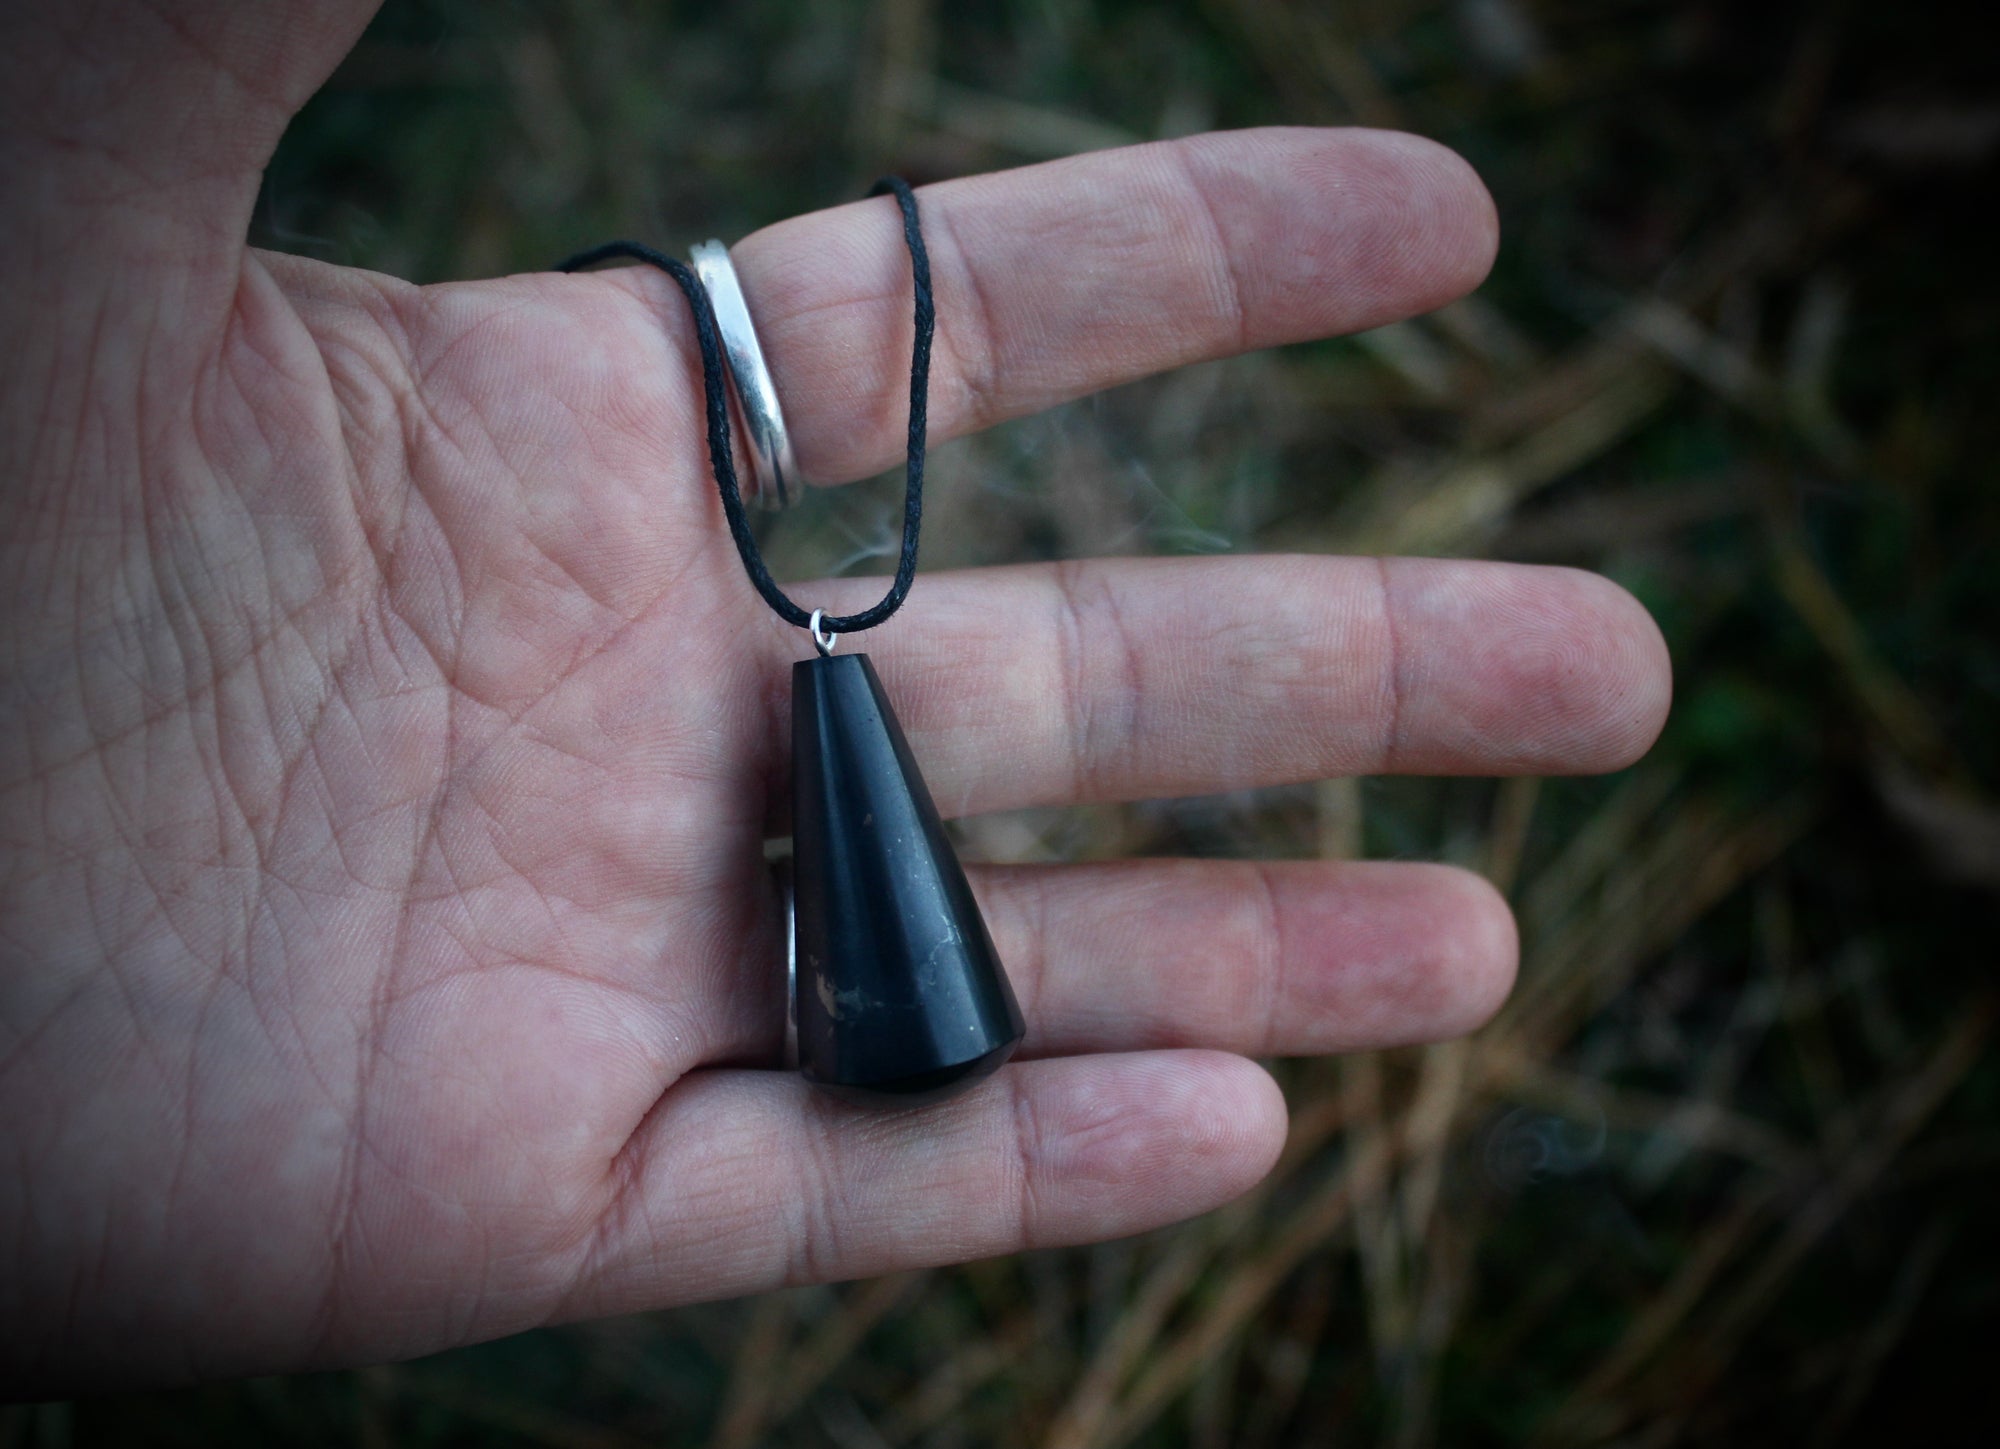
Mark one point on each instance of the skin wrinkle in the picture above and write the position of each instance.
(433, 651)
(348, 393)
(199, 693)
(242, 793)
(671, 353)
(232, 827)
(330, 589)
(564, 572)
(417, 423)
(286, 788)
(562, 674)
(299, 1041)
(337, 830)
(1268, 951)
(159, 910)
(347, 1223)
(1038, 938)
(1393, 686)
(240, 338)
(813, 1224)
(976, 367)
(710, 1213)
(1219, 248)
(623, 1202)
(1072, 676)
(727, 1189)
(1127, 683)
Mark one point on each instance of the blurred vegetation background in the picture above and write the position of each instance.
(1727, 1169)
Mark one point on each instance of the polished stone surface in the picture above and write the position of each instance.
(901, 997)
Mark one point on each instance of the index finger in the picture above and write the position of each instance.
(1059, 280)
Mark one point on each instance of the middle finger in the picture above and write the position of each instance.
(1138, 678)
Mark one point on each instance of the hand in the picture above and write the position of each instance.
(388, 734)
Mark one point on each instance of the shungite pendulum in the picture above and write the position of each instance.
(898, 993)
(898, 996)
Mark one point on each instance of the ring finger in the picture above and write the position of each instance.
(1267, 959)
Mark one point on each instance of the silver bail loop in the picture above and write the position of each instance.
(824, 640)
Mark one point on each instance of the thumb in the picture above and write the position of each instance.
(133, 137)
(143, 126)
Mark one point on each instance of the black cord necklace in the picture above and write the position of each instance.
(721, 454)
(897, 993)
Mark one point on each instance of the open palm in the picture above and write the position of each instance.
(388, 735)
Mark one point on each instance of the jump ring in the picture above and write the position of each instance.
(823, 639)
(775, 467)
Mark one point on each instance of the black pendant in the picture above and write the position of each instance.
(900, 997)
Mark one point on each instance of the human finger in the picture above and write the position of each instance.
(157, 119)
(1124, 679)
(1058, 280)
(746, 1180)
(1293, 958)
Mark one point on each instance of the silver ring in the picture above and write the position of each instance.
(775, 468)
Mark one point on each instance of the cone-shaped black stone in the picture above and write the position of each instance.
(900, 995)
